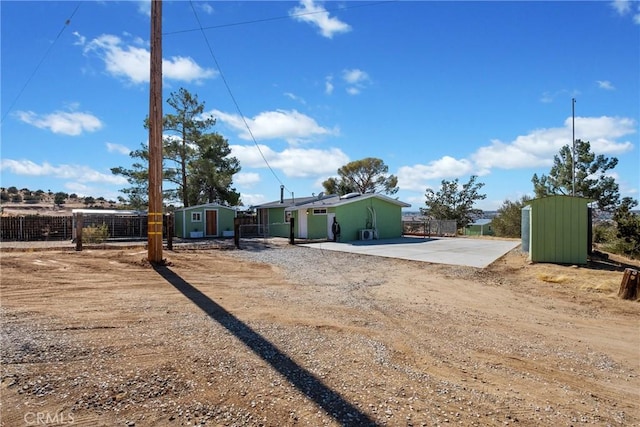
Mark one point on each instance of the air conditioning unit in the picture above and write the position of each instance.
(366, 234)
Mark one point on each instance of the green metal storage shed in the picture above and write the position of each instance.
(556, 229)
(208, 220)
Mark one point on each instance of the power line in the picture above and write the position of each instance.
(233, 97)
(202, 30)
(66, 24)
(275, 18)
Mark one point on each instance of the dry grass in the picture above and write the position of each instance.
(549, 278)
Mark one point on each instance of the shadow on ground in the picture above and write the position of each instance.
(332, 402)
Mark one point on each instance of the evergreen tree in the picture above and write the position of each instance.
(185, 129)
(211, 172)
(591, 178)
(628, 227)
(453, 202)
(369, 175)
(196, 165)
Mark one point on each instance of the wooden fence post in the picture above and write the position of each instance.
(629, 285)
(170, 231)
(292, 239)
(236, 232)
(79, 224)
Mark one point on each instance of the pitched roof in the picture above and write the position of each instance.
(205, 205)
(296, 201)
(482, 221)
(333, 200)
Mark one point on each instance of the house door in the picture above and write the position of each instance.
(302, 223)
(211, 222)
(330, 217)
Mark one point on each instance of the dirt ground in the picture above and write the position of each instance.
(102, 338)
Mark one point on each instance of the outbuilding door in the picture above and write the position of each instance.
(211, 222)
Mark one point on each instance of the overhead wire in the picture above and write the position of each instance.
(277, 18)
(22, 89)
(233, 98)
(222, 76)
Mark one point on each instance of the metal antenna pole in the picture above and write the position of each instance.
(573, 142)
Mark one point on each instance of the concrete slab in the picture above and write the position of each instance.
(442, 250)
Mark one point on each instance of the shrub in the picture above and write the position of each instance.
(95, 233)
(604, 232)
(508, 221)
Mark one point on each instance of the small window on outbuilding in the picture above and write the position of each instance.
(196, 216)
(320, 211)
(287, 216)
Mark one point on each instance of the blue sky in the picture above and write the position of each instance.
(437, 90)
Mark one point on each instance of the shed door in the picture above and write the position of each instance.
(212, 223)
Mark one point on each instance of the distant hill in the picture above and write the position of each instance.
(14, 201)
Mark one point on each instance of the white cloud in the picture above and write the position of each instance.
(604, 127)
(144, 7)
(356, 79)
(534, 149)
(246, 179)
(314, 14)
(81, 39)
(538, 147)
(621, 6)
(206, 8)
(293, 162)
(117, 148)
(414, 177)
(605, 84)
(549, 97)
(253, 199)
(290, 125)
(132, 63)
(295, 97)
(70, 172)
(355, 76)
(66, 123)
(328, 86)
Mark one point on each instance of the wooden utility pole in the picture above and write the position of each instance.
(154, 229)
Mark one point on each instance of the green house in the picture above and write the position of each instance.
(480, 227)
(361, 217)
(208, 220)
(556, 229)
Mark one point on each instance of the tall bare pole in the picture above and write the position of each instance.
(573, 142)
(154, 236)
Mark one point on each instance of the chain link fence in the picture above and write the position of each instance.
(430, 227)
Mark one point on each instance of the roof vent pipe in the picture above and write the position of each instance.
(281, 193)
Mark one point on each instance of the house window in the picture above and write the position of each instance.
(320, 211)
(287, 216)
(196, 216)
